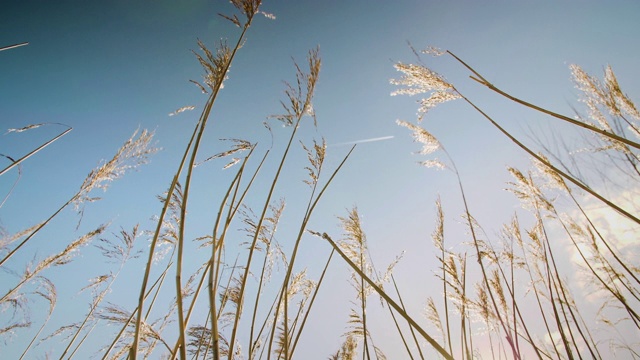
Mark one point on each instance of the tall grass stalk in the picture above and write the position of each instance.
(217, 71)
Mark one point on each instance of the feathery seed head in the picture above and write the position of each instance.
(268, 15)
(528, 191)
(182, 109)
(316, 159)
(438, 233)
(25, 128)
(300, 96)
(216, 66)
(434, 51)
(239, 145)
(429, 142)
(133, 153)
(607, 95)
(554, 179)
(248, 7)
(418, 79)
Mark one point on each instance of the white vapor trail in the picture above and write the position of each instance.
(362, 141)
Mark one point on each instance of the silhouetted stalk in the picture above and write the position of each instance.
(512, 290)
(263, 327)
(257, 299)
(611, 288)
(536, 291)
(544, 161)
(214, 267)
(606, 284)
(438, 238)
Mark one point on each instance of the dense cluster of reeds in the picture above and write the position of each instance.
(506, 298)
(548, 317)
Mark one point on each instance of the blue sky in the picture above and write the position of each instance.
(108, 68)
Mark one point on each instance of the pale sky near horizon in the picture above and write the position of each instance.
(109, 68)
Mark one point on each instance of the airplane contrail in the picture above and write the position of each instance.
(363, 141)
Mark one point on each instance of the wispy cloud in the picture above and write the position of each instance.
(362, 141)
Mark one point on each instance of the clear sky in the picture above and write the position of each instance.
(107, 68)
